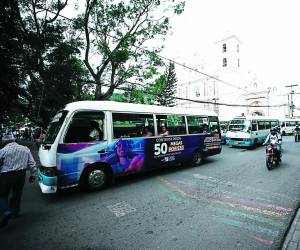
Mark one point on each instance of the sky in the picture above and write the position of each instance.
(269, 30)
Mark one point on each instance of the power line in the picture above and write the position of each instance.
(205, 102)
(163, 57)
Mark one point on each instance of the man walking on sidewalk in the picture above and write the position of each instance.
(14, 161)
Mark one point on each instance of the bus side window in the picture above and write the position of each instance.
(176, 125)
(195, 124)
(261, 125)
(214, 125)
(128, 125)
(254, 127)
(86, 126)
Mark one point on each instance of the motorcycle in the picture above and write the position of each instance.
(297, 134)
(272, 160)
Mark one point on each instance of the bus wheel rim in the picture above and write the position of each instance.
(96, 178)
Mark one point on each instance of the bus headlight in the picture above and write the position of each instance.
(48, 171)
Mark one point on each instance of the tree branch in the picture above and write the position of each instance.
(60, 6)
(87, 38)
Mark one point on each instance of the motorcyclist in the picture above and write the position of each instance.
(277, 128)
(274, 138)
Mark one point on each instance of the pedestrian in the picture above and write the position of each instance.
(14, 161)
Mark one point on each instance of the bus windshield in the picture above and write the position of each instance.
(239, 125)
(55, 126)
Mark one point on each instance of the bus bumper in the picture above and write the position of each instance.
(47, 184)
(244, 143)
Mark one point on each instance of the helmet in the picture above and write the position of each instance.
(297, 126)
(273, 131)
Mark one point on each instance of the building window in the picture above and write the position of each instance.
(224, 62)
(238, 48)
(224, 47)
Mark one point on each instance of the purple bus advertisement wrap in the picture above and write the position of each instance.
(88, 146)
(131, 155)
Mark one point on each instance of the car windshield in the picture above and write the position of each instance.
(54, 127)
(239, 125)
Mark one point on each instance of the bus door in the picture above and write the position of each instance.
(84, 142)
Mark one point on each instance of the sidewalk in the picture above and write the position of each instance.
(292, 240)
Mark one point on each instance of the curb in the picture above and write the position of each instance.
(292, 239)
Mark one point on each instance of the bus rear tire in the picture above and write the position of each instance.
(94, 179)
(197, 159)
(255, 143)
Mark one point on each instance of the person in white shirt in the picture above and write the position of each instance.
(14, 161)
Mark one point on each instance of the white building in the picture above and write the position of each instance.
(236, 84)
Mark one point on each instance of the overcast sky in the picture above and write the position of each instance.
(269, 30)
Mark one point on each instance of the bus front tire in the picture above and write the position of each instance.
(197, 159)
(94, 179)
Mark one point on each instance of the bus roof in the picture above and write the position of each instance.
(256, 117)
(130, 107)
(290, 119)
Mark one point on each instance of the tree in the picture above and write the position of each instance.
(52, 74)
(10, 59)
(167, 95)
(140, 94)
(114, 34)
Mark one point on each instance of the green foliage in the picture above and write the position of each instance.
(48, 73)
(147, 95)
(115, 32)
(40, 63)
(167, 94)
(11, 74)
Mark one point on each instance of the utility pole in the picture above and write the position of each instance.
(290, 101)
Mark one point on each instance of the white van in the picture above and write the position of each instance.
(288, 126)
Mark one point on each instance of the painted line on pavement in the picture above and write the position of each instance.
(228, 183)
(252, 217)
(225, 203)
(263, 241)
(249, 227)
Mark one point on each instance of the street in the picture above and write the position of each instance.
(230, 202)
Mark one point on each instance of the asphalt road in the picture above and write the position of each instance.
(230, 202)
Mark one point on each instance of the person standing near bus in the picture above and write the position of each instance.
(15, 160)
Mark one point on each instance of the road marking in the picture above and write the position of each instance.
(264, 241)
(213, 199)
(275, 215)
(248, 227)
(122, 208)
(229, 183)
(172, 186)
(229, 196)
(249, 216)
